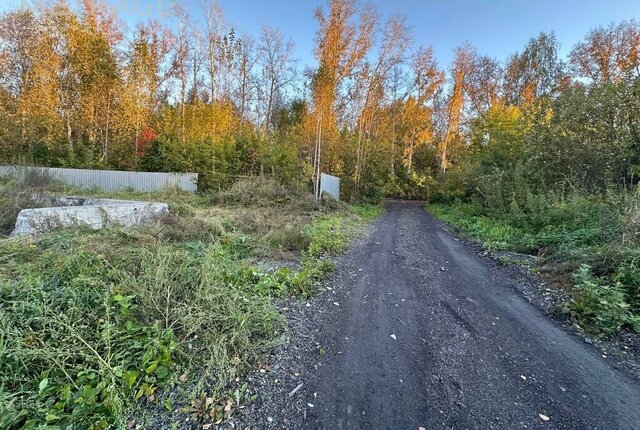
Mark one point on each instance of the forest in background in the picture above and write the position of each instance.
(79, 89)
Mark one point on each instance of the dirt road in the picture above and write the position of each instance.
(427, 335)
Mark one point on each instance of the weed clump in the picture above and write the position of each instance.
(259, 192)
(600, 304)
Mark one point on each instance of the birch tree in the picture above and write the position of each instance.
(277, 71)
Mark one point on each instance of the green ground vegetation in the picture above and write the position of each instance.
(96, 325)
(581, 244)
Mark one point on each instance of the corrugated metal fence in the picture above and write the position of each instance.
(112, 180)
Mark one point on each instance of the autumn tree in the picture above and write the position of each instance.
(417, 112)
(536, 72)
(483, 84)
(459, 70)
(215, 28)
(181, 49)
(147, 70)
(342, 43)
(368, 92)
(246, 80)
(608, 54)
(19, 52)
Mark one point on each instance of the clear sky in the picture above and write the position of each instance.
(495, 27)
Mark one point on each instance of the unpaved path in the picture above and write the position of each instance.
(467, 352)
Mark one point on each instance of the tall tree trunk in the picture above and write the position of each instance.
(269, 106)
(358, 169)
(105, 149)
(316, 159)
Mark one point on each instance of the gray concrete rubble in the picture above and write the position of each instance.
(80, 211)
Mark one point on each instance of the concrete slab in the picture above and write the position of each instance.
(94, 213)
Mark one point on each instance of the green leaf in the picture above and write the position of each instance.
(43, 385)
(162, 372)
(168, 404)
(152, 367)
(51, 417)
(130, 377)
(140, 392)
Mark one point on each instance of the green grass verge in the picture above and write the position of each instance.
(579, 242)
(327, 236)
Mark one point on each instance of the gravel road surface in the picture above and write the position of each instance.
(429, 336)
(415, 330)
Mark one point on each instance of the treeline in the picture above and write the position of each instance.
(541, 125)
(194, 94)
(79, 89)
(545, 159)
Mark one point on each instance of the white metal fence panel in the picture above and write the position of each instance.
(113, 180)
(330, 185)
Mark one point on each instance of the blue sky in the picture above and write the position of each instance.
(495, 27)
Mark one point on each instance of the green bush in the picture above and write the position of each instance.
(627, 273)
(600, 304)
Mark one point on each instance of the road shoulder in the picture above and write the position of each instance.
(622, 350)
